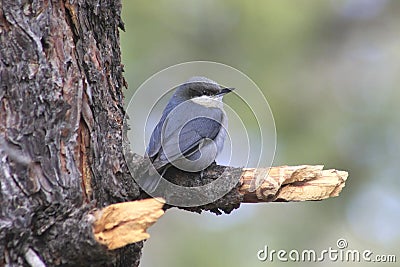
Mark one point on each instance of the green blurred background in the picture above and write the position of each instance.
(330, 70)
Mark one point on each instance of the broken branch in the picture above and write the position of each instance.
(290, 183)
(124, 223)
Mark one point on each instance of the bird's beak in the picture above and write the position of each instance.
(225, 91)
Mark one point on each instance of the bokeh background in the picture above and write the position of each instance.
(330, 70)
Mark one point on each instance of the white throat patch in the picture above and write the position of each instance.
(208, 101)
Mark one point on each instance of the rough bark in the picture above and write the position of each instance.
(61, 127)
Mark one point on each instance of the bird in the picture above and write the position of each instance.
(191, 132)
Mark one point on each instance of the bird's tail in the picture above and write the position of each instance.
(151, 181)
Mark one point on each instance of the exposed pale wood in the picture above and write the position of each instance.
(125, 223)
(291, 183)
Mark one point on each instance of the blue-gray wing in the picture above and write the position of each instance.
(184, 130)
(155, 141)
(193, 133)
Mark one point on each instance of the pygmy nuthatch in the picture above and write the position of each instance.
(191, 131)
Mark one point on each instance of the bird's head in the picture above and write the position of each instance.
(201, 87)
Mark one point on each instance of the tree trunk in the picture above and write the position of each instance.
(61, 130)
